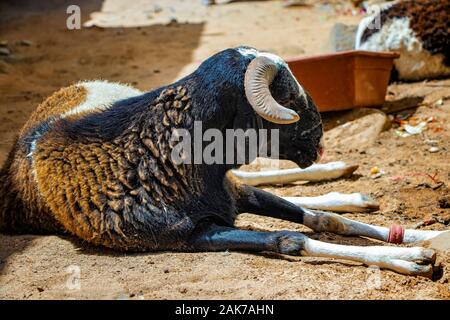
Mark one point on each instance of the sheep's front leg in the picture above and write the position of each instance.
(252, 200)
(330, 222)
(219, 238)
(316, 172)
(403, 260)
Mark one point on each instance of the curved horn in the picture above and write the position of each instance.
(258, 77)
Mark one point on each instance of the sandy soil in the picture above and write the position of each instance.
(41, 267)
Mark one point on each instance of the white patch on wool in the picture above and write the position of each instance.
(274, 58)
(415, 62)
(101, 95)
(33, 145)
(30, 156)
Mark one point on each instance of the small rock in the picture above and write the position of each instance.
(40, 289)
(374, 170)
(183, 290)
(440, 243)
(379, 194)
(4, 51)
(431, 142)
(172, 21)
(3, 43)
(444, 202)
(434, 149)
(157, 8)
(437, 185)
(423, 185)
(166, 270)
(26, 43)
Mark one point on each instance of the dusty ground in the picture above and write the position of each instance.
(35, 267)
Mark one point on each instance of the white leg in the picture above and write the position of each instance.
(316, 172)
(329, 222)
(337, 202)
(403, 260)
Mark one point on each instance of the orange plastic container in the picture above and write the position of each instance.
(345, 80)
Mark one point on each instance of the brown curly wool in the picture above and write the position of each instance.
(99, 189)
(429, 19)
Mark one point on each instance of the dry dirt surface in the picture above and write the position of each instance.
(413, 188)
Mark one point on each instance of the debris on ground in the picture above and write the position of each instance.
(415, 125)
(407, 130)
(376, 172)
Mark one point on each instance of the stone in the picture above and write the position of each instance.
(4, 51)
(358, 133)
(444, 202)
(439, 243)
(433, 149)
(397, 104)
(342, 37)
(26, 43)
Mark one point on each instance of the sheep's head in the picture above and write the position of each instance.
(257, 89)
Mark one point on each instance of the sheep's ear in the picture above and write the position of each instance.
(258, 77)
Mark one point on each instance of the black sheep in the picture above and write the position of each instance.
(97, 160)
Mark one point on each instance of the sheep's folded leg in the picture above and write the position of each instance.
(254, 200)
(403, 260)
(337, 202)
(316, 172)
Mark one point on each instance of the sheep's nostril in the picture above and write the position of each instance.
(320, 152)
